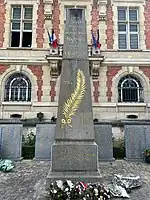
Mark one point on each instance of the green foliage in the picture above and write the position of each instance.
(119, 148)
(28, 146)
(29, 140)
(147, 152)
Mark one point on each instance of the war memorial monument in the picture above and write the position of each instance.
(74, 152)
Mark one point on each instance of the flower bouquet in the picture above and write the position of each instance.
(67, 190)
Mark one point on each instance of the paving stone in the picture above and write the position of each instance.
(27, 179)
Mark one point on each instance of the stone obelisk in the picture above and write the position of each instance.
(75, 153)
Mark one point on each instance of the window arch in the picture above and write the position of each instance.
(17, 88)
(130, 89)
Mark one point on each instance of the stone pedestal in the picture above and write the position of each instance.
(11, 141)
(137, 139)
(75, 153)
(103, 134)
(44, 140)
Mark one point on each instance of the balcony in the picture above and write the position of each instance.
(54, 57)
(94, 54)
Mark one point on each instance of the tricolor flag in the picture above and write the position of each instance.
(52, 39)
(96, 42)
(49, 37)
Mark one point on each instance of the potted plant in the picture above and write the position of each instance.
(147, 155)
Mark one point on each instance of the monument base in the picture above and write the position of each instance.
(74, 156)
(76, 161)
(87, 176)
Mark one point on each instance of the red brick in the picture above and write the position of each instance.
(109, 24)
(95, 18)
(3, 68)
(96, 91)
(52, 91)
(38, 72)
(56, 18)
(111, 73)
(40, 25)
(147, 23)
(145, 70)
(2, 22)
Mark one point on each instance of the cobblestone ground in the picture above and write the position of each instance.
(28, 178)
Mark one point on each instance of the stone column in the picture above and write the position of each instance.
(75, 153)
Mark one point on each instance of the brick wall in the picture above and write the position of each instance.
(145, 70)
(96, 91)
(95, 17)
(38, 72)
(3, 68)
(2, 22)
(52, 91)
(56, 18)
(147, 23)
(40, 25)
(110, 24)
(111, 73)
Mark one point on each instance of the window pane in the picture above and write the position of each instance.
(28, 13)
(17, 13)
(133, 27)
(129, 94)
(15, 39)
(122, 27)
(134, 41)
(122, 41)
(133, 14)
(15, 26)
(27, 39)
(27, 26)
(18, 88)
(121, 14)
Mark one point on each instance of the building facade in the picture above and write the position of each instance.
(30, 69)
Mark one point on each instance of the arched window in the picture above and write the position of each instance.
(18, 88)
(130, 89)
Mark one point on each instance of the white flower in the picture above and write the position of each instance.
(96, 192)
(60, 184)
(55, 191)
(71, 185)
(67, 189)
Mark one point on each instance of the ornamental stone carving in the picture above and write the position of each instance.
(54, 69)
(95, 69)
(48, 7)
(102, 9)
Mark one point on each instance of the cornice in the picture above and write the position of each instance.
(128, 1)
(20, 2)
